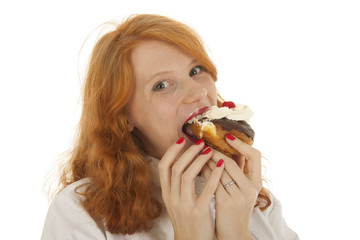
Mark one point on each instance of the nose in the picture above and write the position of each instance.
(194, 91)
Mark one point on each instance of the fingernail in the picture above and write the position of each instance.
(180, 140)
(199, 142)
(220, 162)
(206, 151)
(230, 137)
(205, 146)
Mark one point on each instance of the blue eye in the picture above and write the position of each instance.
(161, 85)
(196, 70)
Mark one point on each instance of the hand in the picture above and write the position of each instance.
(189, 213)
(235, 203)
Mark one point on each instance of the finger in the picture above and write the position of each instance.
(235, 173)
(232, 168)
(181, 165)
(206, 172)
(243, 148)
(226, 179)
(211, 184)
(193, 170)
(220, 192)
(240, 161)
(251, 154)
(166, 162)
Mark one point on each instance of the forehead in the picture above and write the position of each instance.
(152, 56)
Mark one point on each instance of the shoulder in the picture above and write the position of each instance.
(73, 191)
(70, 197)
(66, 217)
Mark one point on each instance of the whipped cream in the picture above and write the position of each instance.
(239, 113)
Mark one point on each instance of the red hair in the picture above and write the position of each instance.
(119, 194)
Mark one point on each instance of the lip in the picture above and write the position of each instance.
(197, 112)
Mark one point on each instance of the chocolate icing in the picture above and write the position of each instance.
(241, 126)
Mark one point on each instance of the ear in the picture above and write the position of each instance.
(130, 125)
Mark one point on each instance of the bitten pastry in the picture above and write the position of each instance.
(213, 124)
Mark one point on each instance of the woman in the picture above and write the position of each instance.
(132, 174)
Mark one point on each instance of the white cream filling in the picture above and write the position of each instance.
(239, 113)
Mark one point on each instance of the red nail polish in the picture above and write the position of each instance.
(230, 137)
(206, 151)
(199, 142)
(180, 140)
(205, 146)
(220, 162)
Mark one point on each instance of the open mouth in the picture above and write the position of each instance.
(186, 127)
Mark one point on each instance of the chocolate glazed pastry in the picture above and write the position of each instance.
(214, 135)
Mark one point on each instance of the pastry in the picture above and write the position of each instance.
(213, 124)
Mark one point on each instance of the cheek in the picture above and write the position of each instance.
(212, 91)
(159, 127)
(165, 121)
(156, 116)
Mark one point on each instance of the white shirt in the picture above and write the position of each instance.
(68, 220)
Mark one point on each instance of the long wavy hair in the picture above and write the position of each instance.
(119, 193)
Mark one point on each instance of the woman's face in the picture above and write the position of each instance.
(169, 86)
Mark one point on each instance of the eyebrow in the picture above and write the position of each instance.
(159, 74)
(165, 72)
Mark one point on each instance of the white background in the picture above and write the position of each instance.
(295, 63)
